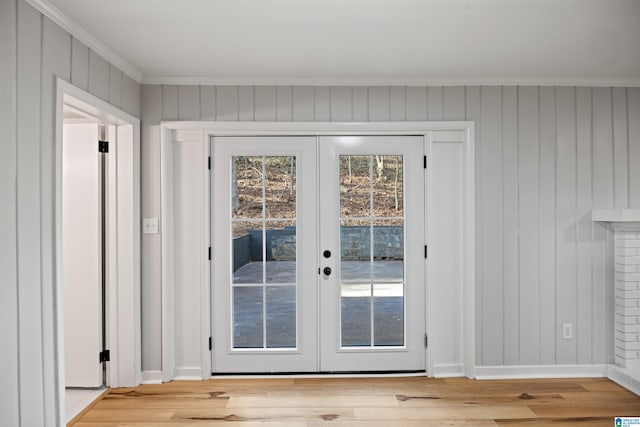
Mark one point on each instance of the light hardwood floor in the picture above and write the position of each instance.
(410, 401)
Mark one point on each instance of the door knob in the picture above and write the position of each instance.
(327, 271)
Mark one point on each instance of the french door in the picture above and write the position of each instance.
(318, 259)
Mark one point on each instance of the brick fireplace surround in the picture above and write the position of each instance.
(624, 225)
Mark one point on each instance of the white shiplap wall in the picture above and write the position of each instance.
(33, 52)
(545, 156)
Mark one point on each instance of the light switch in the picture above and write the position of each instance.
(150, 226)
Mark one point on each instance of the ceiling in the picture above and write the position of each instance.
(362, 41)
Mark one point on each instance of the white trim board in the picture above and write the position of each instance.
(542, 371)
(459, 133)
(625, 378)
(85, 37)
(470, 81)
(151, 377)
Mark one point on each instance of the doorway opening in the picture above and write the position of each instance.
(97, 249)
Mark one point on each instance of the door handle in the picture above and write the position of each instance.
(327, 271)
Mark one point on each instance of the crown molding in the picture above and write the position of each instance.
(249, 81)
(85, 37)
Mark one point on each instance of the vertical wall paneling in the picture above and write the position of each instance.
(398, 103)
(246, 103)
(98, 76)
(545, 157)
(584, 185)
(284, 109)
(28, 214)
(417, 103)
(79, 64)
(227, 103)
(115, 86)
(189, 102)
(453, 103)
(566, 221)
(341, 104)
(490, 187)
(360, 103)
(601, 121)
(547, 242)
(322, 98)
(473, 111)
(35, 51)
(303, 104)
(265, 104)
(208, 103)
(510, 322)
(150, 243)
(56, 62)
(435, 103)
(603, 178)
(9, 391)
(170, 102)
(528, 224)
(379, 104)
(130, 96)
(633, 121)
(620, 148)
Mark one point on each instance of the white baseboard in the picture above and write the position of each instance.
(624, 377)
(188, 373)
(151, 377)
(542, 371)
(448, 371)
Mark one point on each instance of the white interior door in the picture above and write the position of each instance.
(82, 255)
(318, 254)
(264, 254)
(372, 242)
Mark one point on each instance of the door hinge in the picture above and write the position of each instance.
(103, 146)
(426, 341)
(104, 356)
(209, 163)
(210, 343)
(426, 251)
(425, 162)
(209, 253)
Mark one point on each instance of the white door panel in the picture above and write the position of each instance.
(82, 258)
(264, 254)
(372, 303)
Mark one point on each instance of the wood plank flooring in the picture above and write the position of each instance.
(360, 402)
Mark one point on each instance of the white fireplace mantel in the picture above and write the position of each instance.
(616, 216)
(625, 224)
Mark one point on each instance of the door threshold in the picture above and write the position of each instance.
(322, 374)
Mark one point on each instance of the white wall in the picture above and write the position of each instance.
(544, 157)
(33, 51)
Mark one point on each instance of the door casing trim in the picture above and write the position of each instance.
(123, 293)
(440, 131)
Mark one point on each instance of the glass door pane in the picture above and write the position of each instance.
(371, 250)
(263, 221)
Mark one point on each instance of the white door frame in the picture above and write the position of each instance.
(455, 132)
(123, 288)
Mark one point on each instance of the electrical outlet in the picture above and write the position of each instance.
(567, 331)
(150, 225)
